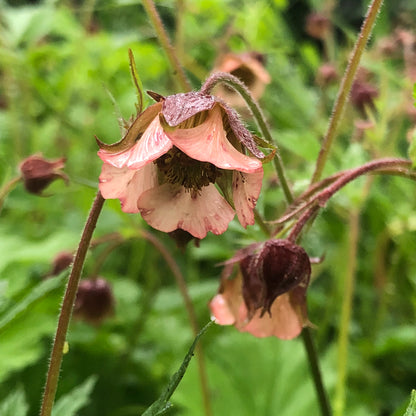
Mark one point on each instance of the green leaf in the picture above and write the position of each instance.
(411, 410)
(161, 405)
(77, 398)
(14, 404)
(37, 293)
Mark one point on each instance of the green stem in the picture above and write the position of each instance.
(7, 188)
(345, 87)
(346, 310)
(315, 371)
(166, 44)
(180, 281)
(237, 85)
(259, 220)
(67, 306)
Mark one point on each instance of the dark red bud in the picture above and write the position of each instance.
(278, 267)
(94, 301)
(38, 173)
(61, 262)
(363, 94)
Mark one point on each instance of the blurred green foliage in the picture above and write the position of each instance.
(59, 63)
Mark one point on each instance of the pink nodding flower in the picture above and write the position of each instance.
(175, 159)
(267, 296)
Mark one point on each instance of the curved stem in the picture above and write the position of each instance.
(237, 85)
(7, 188)
(180, 281)
(316, 373)
(166, 44)
(345, 87)
(319, 200)
(67, 306)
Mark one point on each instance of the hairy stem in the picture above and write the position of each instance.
(387, 165)
(166, 45)
(180, 281)
(67, 307)
(345, 87)
(7, 188)
(237, 85)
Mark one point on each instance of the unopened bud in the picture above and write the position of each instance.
(61, 262)
(94, 301)
(38, 173)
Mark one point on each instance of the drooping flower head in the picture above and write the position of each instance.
(267, 296)
(175, 159)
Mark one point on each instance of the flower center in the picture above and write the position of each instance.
(179, 168)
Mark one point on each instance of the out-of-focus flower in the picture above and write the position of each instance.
(249, 68)
(327, 74)
(94, 301)
(317, 25)
(61, 262)
(267, 297)
(38, 173)
(408, 41)
(363, 92)
(172, 157)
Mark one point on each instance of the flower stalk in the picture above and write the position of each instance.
(315, 371)
(387, 165)
(237, 85)
(67, 308)
(345, 87)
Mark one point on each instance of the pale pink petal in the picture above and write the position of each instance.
(169, 207)
(153, 144)
(127, 185)
(284, 322)
(208, 143)
(221, 311)
(246, 190)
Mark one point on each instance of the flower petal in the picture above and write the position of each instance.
(153, 144)
(220, 311)
(246, 190)
(169, 207)
(284, 321)
(127, 185)
(208, 143)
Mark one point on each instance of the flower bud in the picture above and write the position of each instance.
(38, 173)
(61, 262)
(362, 95)
(94, 301)
(317, 26)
